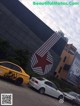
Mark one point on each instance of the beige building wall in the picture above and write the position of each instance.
(67, 58)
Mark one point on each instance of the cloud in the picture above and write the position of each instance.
(65, 18)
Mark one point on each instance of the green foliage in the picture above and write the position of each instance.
(12, 59)
(22, 56)
(32, 73)
(4, 47)
(67, 89)
(18, 56)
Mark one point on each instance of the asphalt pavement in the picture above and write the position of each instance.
(26, 96)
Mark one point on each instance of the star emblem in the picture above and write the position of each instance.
(42, 62)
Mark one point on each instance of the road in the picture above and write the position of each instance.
(25, 96)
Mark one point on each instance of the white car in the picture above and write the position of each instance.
(72, 96)
(77, 97)
(68, 96)
(45, 86)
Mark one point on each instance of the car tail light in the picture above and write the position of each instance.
(35, 81)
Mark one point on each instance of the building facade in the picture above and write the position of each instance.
(67, 58)
(74, 72)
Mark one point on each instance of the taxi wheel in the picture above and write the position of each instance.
(19, 81)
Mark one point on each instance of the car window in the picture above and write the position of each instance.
(39, 78)
(54, 86)
(8, 65)
(51, 84)
(14, 67)
(48, 83)
(11, 66)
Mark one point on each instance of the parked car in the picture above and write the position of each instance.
(72, 96)
(77, 100)
(45, 86)
(14, 72)
(68, 96)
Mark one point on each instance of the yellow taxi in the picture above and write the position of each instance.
(14, 72)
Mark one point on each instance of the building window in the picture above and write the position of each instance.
(60, 70)
(55, 73)
(64, 59)
(57, 76)
(66, 67)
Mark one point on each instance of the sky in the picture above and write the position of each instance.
(64, 18)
